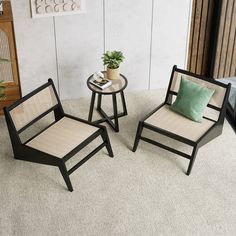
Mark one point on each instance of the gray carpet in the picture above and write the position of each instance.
(142, 193)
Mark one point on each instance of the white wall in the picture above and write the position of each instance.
(128, 28)
(80, 45)
(35, 47)
(153, 35)
(170, 32)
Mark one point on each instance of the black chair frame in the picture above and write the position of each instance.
(231, 115)
(23, 152)
(212, 133)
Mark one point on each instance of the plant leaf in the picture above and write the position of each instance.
(2, 60)
(113, 59)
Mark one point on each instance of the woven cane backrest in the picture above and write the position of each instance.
(218, 96)
(33, 107)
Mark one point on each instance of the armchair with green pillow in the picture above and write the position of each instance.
(184, 115)
(192, 99)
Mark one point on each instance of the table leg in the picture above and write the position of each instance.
(123, 103)
(91, 106)
(115, 112)
(99, 101)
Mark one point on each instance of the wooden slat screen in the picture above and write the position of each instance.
(200, 39)
(200, 35)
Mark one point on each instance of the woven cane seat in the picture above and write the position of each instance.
(62, 137)
(168, 120)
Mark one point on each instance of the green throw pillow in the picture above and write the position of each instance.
(192, 99)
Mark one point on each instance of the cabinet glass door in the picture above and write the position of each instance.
(5, 64)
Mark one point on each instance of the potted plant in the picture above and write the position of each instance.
(112, 60)
(1, 7)
(2, 87)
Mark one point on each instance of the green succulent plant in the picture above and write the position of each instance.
(2, 91)
(112, 59)
(2, 60)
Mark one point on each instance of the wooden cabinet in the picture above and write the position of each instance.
(9, 71)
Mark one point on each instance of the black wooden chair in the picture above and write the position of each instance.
(231, 106)
(231, 109)
(175, 126)
(59, 141)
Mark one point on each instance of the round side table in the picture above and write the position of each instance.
(118, 86)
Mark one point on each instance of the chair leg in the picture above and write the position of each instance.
(65, 175)
(116, 122)
(193, 157)
(138, 134)
(106, 139)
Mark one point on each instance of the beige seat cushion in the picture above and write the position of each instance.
(171, 121)
(62, 137)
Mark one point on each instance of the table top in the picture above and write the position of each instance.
(117, 86)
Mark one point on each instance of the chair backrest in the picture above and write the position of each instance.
(33, 106)
(220, 96)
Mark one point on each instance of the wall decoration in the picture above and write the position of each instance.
(44, 8)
